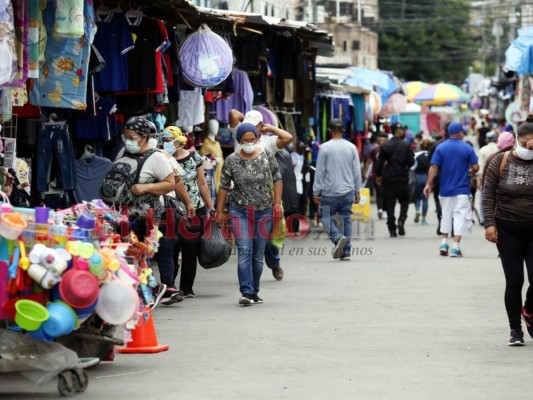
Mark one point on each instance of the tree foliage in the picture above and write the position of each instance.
(427, 40)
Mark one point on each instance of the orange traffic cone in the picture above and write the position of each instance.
(144, 338)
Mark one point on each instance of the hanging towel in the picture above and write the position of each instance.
(69, 18)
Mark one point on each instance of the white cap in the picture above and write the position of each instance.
(253, 117)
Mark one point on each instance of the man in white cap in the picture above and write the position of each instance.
(279, 139)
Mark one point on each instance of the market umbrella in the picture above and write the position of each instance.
(394, 105)
(519, 56)
(413, 88)
(441, 94)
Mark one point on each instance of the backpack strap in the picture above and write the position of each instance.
(504, 161)
(141, 159)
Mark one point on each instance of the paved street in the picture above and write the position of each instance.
(397, 322)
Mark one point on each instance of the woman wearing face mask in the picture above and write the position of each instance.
(508, 210)
(254, 199)
(194, 179)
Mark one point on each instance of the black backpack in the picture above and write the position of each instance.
(116, 186)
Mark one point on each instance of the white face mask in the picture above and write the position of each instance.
(248, 148)
(523, 153)
(152, 143)
(132, 147)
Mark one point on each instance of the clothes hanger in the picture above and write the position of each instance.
(88, 154)
(52, 120)
(134, 12)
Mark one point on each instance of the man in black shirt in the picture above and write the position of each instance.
(395, 159)
(482, 134)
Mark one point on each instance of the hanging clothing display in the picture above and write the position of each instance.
(63, 75)
(90, 172)
(97, 128)
(191, 108)
(9, 60)
(113, 40)
(21, 33)
(241, 100)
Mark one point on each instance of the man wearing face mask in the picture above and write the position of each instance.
(457, 162)
(395, 159)
(508, 210)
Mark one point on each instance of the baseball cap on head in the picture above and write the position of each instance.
(455, 127)
(253, 117)
(394, 127)
(491, 136)
(336, 125)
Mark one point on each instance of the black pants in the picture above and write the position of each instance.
(189, 247)
(396, 189)
(515, 244)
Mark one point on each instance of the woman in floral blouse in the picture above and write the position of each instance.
(255, 201)
(193, 177)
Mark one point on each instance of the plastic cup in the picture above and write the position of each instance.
(49, 280)
(79, 289)
(30, 315)
(41, 215)
(37, 272)
(96, 265)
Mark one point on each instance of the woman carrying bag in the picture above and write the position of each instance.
(254, 200)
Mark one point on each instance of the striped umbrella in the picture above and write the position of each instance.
(441, 94)
(413, 88)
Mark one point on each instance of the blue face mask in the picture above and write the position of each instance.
(169, 147)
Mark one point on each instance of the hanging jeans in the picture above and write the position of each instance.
(251, 229)
(54, 142)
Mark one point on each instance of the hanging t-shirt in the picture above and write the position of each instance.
(90, 173)
(97, 128)
(191, 108)
(8, 61)
(113, 40)
(142, 61)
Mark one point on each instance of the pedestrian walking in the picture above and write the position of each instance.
(457, 162)
(395, 159)
(337, 186)
(370, 172)
(254, 199)
(508, 209)
(421, 169)
(484, 153)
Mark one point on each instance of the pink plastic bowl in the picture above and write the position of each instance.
(79, 289)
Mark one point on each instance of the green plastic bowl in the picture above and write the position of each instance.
(30, 315)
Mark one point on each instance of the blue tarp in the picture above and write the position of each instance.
(519, 56)
(368, 79)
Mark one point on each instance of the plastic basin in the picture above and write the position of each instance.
(30, 315)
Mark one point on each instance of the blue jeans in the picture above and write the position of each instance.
(251, 229)
(419, 194)
(165, 261)
(272, 258)
(342, 205)
(54, 141)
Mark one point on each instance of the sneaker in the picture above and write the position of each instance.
(456, 253)
(345, 257)
(517, 338)
(246, 299)
(444, 249)
(159, 291)
(380, 214)
(339, 248)
(278, 273)
(171, 296)
(257, 299)
(188, 294)
(393, 234)
(417, 218)
(528, 319)
(423, 222)
(401, 229)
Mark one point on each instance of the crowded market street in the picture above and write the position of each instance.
(400, 322)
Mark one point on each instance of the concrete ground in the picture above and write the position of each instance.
(397, 322)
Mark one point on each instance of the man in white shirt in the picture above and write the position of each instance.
(278, 140)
